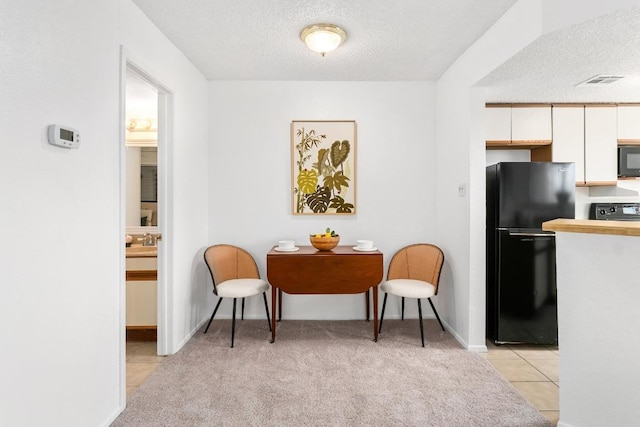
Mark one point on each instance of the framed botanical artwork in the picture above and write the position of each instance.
(323, 167)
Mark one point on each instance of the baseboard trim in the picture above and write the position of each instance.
(464, 343)
(192, 333)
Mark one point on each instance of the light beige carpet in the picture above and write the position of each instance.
(326, 373)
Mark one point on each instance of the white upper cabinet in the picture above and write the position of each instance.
(568, 138)
(517, 125)
(498, 125)
(629, 124)
(600, 145)
(586, 135)
(531, 124)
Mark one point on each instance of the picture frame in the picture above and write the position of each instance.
(323, 167)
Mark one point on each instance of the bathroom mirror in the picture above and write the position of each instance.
(142, 187)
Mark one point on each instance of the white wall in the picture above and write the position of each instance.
(461, 160)
(59, 219)
(60, 251)
(250, 173)
(497, 156)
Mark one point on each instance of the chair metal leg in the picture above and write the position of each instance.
(242, 317)
(436, 313)
(402, 318)
(384, 303)
(266, 307)
(233, 322)
(214, 313)
(421, 326)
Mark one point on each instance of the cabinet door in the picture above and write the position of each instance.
(629, 124)
(600, 145)
(142, 303)
(531, 125)
(498, 125)
(568, 138)
(142, 300)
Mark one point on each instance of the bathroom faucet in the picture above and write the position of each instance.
(148, 240)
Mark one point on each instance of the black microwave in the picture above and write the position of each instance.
(628, 160)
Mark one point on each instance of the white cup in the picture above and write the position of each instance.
(364, 244)
(286, 244)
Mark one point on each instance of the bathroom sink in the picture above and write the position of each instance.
(142, 251)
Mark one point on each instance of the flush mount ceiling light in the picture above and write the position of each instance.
(323, 38)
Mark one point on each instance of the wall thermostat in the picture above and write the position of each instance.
(64, 136)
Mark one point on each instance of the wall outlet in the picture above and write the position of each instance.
(462, 190)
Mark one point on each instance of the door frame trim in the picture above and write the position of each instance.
(130, 62)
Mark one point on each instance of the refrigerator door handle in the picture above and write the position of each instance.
(518, 233)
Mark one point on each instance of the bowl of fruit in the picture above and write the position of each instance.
(325, 241)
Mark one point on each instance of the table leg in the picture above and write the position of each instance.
(366, 300)
(273, 313)
(279, 305)
(375, 313)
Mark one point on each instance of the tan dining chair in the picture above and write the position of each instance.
(414, 272)
(235, 275)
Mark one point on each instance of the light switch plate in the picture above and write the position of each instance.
(462, 190)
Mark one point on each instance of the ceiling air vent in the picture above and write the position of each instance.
(600, 80)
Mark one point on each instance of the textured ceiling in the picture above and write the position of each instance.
(401, 40)
(549, 69)
(386, 40)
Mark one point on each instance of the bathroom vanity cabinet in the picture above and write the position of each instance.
(142, 290)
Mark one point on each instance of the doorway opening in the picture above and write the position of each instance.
(142, 214)
(146, 221)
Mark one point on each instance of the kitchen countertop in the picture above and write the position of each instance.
(591, 226)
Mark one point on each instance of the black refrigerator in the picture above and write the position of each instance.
(521, 257)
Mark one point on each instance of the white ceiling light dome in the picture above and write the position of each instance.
(323, 38)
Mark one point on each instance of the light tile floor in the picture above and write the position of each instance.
(533, 371)
(142, 360)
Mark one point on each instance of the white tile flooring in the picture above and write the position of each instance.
(533, 371)
(142, 360)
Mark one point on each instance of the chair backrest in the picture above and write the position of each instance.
(421, 261)
(227, 262)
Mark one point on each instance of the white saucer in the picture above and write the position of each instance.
(355, 248)
(287, 250)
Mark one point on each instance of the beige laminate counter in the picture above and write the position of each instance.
(590, 226)
(139, 251)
